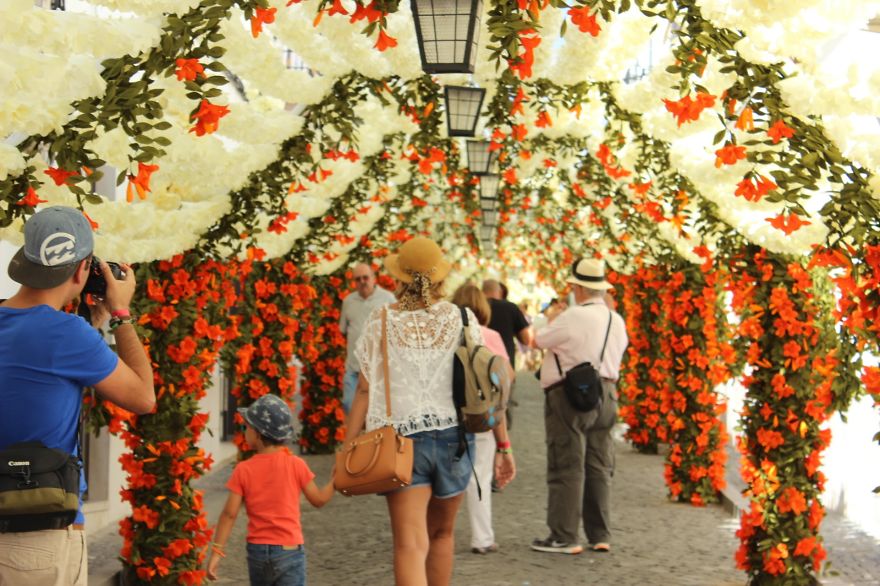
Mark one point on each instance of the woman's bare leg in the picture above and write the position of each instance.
(409, 512)
(441, 523)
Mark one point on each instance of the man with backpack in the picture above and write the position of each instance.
(580, 450)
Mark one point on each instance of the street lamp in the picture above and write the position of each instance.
(480, 158)
(462, 109)
(489, 183)
(447, 33)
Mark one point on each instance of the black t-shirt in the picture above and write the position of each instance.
(507, 320)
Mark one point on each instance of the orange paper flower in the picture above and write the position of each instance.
(729, 154)
(788, 223)
(262, 16)
(208, 118)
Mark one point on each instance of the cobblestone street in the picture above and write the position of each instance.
(655, 541)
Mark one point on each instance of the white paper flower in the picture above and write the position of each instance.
(11, 161)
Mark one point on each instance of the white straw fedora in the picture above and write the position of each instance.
(589, 273)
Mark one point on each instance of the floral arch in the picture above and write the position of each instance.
(733, 188)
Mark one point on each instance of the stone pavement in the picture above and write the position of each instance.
(655, 542)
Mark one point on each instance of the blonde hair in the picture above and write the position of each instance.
(470, 296)
(421, 293)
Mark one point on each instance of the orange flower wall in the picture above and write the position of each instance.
(183, 304)
(259, 316)
(644, 373)
(789, 397)
(695, 464)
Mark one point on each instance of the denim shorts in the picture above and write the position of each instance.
(435, 463)
(276, 565)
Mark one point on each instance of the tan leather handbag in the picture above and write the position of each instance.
(380, 460)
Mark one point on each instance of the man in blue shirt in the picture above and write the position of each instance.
(47, 356)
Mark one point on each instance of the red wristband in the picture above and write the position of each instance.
(120, 313)
(502, 445)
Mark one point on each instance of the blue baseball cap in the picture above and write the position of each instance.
(270, 416)
(56, 239)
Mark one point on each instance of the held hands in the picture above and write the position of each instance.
(119, 291)
(213, 563)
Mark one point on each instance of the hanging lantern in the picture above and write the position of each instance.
(480, 158)
(489, 184)
(487, 233)
(447, 33)
(490, 219)
(462, 109)
(488, 204)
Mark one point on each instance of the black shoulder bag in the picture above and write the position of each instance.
(39, 487)
(581, 383)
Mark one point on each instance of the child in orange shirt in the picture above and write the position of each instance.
(269, 484)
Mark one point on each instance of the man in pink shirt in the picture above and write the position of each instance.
(580, 451)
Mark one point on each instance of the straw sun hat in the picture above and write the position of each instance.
(419, 255)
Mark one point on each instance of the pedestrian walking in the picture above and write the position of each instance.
(356, 308)
(488, 443)
(580, 450)
(509, 321)
(423, 332)
(269, 485)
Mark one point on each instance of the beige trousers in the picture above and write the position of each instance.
(53, 557)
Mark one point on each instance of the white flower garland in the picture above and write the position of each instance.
(11, 161)
(583, 57)
(40, 104)
(147, 8)
(259, 61)
(781, 30)
(62, 33)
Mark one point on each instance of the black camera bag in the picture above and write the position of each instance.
(581, 384)
(39, 488)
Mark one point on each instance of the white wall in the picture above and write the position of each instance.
(8, 287)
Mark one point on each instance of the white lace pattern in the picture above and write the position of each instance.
(421, 345)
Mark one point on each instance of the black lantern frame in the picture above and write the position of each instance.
(447, 32)
(488, 204)
(489, 185)
(480, 158)
(463, 106)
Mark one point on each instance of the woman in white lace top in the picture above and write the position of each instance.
(423, 333)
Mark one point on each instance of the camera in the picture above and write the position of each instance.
(96, 284)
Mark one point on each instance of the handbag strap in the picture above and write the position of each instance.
(601, 355)
(385, 362)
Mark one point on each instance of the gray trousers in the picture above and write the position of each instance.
(580, 464)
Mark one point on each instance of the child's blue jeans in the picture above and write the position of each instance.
(276, 565)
